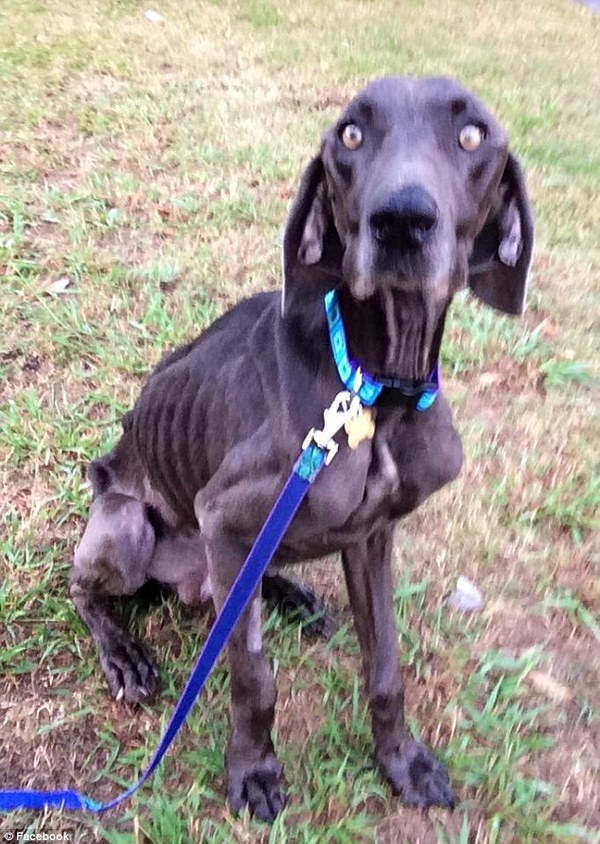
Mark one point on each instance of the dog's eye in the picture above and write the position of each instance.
(351, 136)
(471, 137)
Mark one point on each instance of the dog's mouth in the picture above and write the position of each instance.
(379, 260)
(368, 268)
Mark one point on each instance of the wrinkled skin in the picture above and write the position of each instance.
(397, 224)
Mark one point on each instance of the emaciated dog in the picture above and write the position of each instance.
(412, 196)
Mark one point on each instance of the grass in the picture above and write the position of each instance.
(145, 172)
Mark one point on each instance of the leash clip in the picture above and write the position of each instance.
(344, 407)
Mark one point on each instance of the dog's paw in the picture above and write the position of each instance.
(319, 624)
(418, 777)
(128, 669)
(300, 604)
(257, 785)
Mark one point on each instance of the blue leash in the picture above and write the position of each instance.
(305, 471)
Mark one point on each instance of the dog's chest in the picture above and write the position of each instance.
(380, 481)
(354, 482)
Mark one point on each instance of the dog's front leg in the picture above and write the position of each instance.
(254, 774)
(406, 763)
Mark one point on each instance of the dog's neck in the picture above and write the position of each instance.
(393, 334)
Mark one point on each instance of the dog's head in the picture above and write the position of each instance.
(413, 194)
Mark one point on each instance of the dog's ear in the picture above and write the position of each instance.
(312, 251)
(501, 258)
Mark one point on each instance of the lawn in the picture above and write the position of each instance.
(145, 172)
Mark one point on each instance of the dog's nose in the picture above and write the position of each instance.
(407, 218)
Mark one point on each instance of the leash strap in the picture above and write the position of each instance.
(306, 469)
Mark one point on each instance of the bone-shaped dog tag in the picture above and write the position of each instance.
(360, 427)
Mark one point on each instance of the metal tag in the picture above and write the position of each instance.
(360, 427)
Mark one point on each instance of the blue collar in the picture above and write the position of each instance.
(425, 393)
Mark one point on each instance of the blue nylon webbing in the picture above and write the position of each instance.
(305, 471)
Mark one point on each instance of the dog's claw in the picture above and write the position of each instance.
(418, 777)
(259, 786)
(265, 797)
(128, 668)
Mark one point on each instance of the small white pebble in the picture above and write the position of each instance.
(466, 597)
(152, 16)
(59, 285)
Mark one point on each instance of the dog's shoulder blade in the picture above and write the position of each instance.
(225, 332)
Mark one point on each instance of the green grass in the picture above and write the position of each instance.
(145, 173)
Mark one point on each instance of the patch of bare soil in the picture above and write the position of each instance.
(568, 682)
(49, 737)
(409, 826)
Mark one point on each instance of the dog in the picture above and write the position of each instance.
(413, 196)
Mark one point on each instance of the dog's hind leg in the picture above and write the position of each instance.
(112, 559)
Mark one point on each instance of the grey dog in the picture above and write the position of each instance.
(412, 196)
